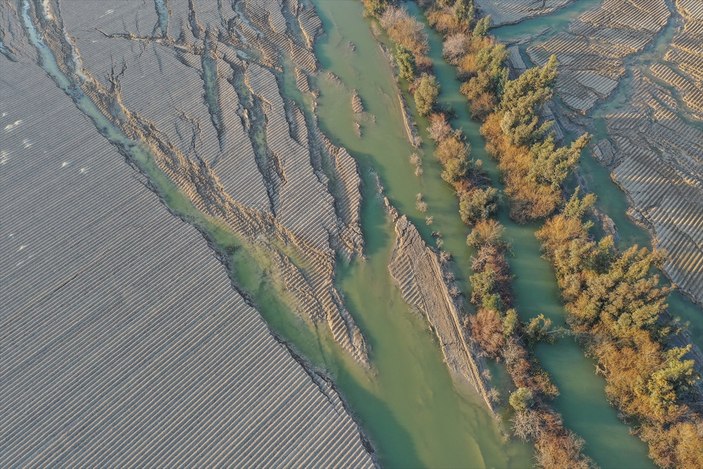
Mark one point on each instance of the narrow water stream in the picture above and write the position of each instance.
(582, 401)
(544, 26)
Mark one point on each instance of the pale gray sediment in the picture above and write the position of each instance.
(592, 52)
(198, 126)
(420, 276)
(123, 341)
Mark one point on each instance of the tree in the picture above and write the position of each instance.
(426, 94)
(456, 169)
(538, 328)
(510, 322)
(455, 47)
(521, 100)
(477, 204)
(376, 7)
(577, 206)
(464, 11)
(405, 30)
(406, 63)
(452, 147)
(521, 399)
(487, 331)
(551, 165)
(482, 25)
(439, 128)
(486, 232)
(674, 379)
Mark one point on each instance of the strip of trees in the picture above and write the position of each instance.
(614, 302)
(495, 327)
(502, 336)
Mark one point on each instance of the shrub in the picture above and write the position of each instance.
(406, 63)
(439, 128)
(426, 93)
(455, 170)
(477, 204)
(405, 30)
(452, 147)
(538, 328)
(486, 232)
(487, 330)
(376, 7)
(455, 47)
(521, 399)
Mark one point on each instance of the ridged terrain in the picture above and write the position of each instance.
(200, 85)
(659, 151)
(418, 272)
(513, 11)
(123, 341)
(592, 53)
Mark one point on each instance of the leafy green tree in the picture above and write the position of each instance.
(551, 165)
(510, 322)
(426, 94)
(456, 169)
(674, 379)
(465, 11)
(406, 63)
(521, 399)
(577, 206)
(481, 28)
(477, 204)
(538, 328)
(521, 100)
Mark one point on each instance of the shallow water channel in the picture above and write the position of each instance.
(582, 401)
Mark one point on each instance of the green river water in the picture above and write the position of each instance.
(408, 405)
(582, 401)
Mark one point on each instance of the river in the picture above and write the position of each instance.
(582, 401)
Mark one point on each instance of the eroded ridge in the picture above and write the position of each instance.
(123, 342)
(205, 98)
(420, 276)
